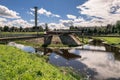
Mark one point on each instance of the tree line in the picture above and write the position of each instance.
(21, 29)
(103, 30)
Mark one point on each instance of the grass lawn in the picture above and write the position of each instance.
(57, 45)
(85, 40)
(19, 65)
(111, 40)
(33, 44)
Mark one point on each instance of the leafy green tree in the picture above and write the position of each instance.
(118, 26)
(6, 28)
(12, 29)
(33, 28)
(1, 29)
(21, 29)
(95, 30)
(46, 27)
(109, 29)
(71, 27)
(40, 28)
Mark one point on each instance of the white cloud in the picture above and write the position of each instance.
(7, 13)
(109, 10)
(20, 22)
(2, 22)
(71, 16)
(3, 19)
(53, 26)
(42, 11)
(16, 23)
(32, 20)
(11, 18)
(66, 23)
(79, 20)
(57, 26)
(31, 13)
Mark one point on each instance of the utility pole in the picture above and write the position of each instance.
(36, 19)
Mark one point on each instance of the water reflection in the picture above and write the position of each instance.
(97, 65)
(61, 52)
(22, 47)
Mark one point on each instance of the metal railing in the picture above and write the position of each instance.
(17, 35)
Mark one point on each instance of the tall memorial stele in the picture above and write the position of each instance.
(36, 8)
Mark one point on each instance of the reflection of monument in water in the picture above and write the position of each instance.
(62, 52)
(67, 55)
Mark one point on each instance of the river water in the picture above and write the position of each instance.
(93, 61)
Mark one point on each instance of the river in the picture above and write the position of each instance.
(95, 62)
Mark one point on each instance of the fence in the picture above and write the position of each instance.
(19, 35)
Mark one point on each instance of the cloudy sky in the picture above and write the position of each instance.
(59, 13)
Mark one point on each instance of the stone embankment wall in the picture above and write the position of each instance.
(108, 47)
(112, 48)
(69, 40)
(47, 40)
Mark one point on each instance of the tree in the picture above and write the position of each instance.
(21, 29)
(1, 29)
(12, 29)
(6, 28)
(95, 30)
(108, 29)
(118, 26)
(113, 29)
(40, 28)
(46, 27)
(71, 27)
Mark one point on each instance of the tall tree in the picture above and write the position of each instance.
(40, 28)
(21, 29)
(72, 28)
(95, 30)
(46, 27)
(6, 28)
(1, 29)
(118, 26)
(12, 29)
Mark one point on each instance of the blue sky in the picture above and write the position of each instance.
(60, 13)
(60, 7)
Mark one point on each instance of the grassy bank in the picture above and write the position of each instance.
(111, 40)
(27, 43)
(18, 65)
(34, 44)
(86, 40)
(57, 45)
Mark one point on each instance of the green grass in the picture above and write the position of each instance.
(41, 44)
(19, 65)
(111, 40)
(85, 40)
(57, 45)
(33, 44)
